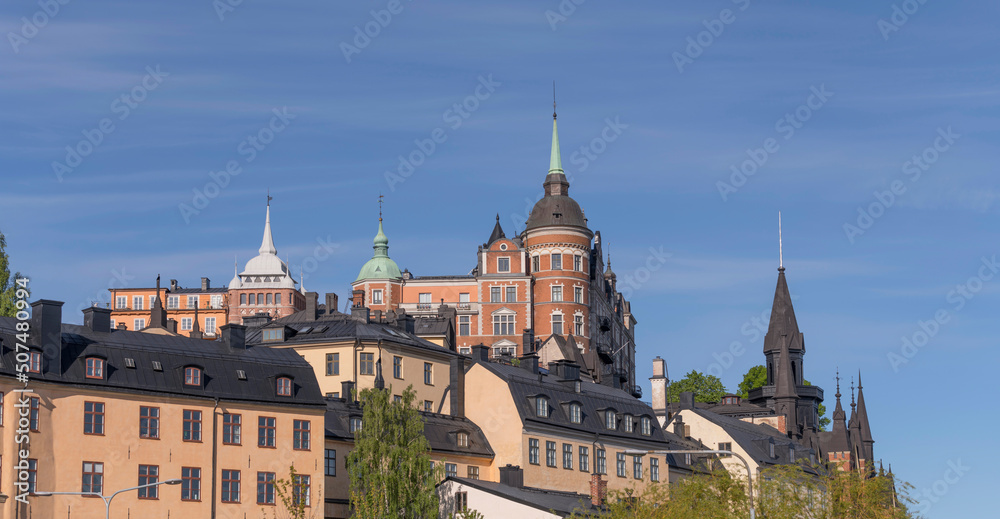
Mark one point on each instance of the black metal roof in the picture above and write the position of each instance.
(561, 503)
(441, 430)
(159, 362)
(755, 439)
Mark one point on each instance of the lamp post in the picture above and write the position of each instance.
(107, 499)
(753, 514)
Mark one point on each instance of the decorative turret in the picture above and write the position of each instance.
(556, 208)
(497, 232)
(785, 397)
(380, 266)
(863, 426)
(839, 441)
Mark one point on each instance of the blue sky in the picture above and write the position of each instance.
(891, 92)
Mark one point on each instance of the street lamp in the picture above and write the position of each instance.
(639, 452)
(107, 499)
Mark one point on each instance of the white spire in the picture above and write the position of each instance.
(267, 244)
(302, 282)
(781, 264)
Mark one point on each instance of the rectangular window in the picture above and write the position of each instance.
(503, 324)
(578, 295)
(149, 474)
(230, 486)
(428, 406)
(376, 297)
(464, 324)
(424, 298)
(727, 446)
(95, 368)
(602, 461)
(186, 323)
(550, 453)
(265, 488)
(210, 325)
(172, 302)
(277, 298)
(533, 451)
(461, 502)
(192, 425)
(367, 365)
(557, 293)
(463, 297)
(535, 264)
(567, 456)
(428, 373)
(192, 301)
(511, 294)
(637, 467)
(138, 324)
(584, 459)
(216, 301)
(355, 424)
(265, 431)
(610, 420)
(578, 263)
(557, 324)
(32, 474)
(93, 477)
(300, 490)
(270, 301)
(654, 469)
(578, 325)
(397, 367)
(93, 418)
(35, 362)
(121, 302)
(137, 302)
(473, 472)
(620, 459)
(396, 399)
(232, 429)
(33, 410)
(330, 462)
(253, 299)
(495, 295)
(152, 301)
(451, 470)
(243, 299)
(301, 435)
(332, 364)
(541, 407)
(503, 264)
(557, 262)
(190, 484)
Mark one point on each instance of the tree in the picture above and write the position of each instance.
(390, 466)
(757, 377)
(289, 493)
(8, 283)
(706, 388)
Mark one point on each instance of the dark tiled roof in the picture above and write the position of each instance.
(332, 327)
(219, 364)
(432, 325)
(562, 503)
(439, 429)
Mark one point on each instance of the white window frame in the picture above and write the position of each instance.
(210, 326)
(500, 261)
(139, 324)
(137, 302)
(554, 289)
(552, 261)
(152, 301)
(172, 302)
(216, 301)
(577, 263)
(466, 321)
(578, 325)
(504, 320)
(121, 302)
(578, 295)
(377, 296)
(192, 301)
(561, 322)
(187, 323)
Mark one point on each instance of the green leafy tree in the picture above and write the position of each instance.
(390, 466)
(757, 377)
(706, 388)
(8, 283)
(292, 494)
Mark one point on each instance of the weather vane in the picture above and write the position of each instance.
(781, 263)
(553, 99)
(381, 198)
(269, 198)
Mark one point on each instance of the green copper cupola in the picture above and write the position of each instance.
(381, 265)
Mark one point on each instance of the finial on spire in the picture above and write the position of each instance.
(269, 198)
(838, 382)
(781, 262)
(852, 394)
(553, 99)
(381, 198)
(859, 380)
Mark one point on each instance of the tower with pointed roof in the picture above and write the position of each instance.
(379, 285)
(265, 285)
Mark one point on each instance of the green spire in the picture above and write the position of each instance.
(380, 266)
(381, 242)
(555, 162)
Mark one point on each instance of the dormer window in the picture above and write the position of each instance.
(575, 413)
(34, 362)
(192, 376)
(770, 448)
(95, 368)
(284, 387)
(627, 421)
(610, 420)
(274, 334)
(355, 424)
(646, 426)
(463, 439)
(542, 407)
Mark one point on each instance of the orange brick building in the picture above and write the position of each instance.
(548, 281)
(131, 308)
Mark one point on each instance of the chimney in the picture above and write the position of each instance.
(346, 390)
(457, 383)
(205, 284)
(172, 325)
(406, 323)
(659, 383)
(257, 320)
(687, 400)
(46, 330)
(530, 362)
(312, 305)
(360, 313)
(97, 319)
(377, 316)
(122, 327)
(358, 298)
(173, 285)
(512, 476)
(235, 335)
(527, 341)
(331, 303)
(598, 490)
(679, 428)
(480, 353)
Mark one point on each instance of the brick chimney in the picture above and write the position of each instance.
(205, 284)
(331, 303)
(358, 298)
(173, 285)
(312, 305)
(598, 490)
